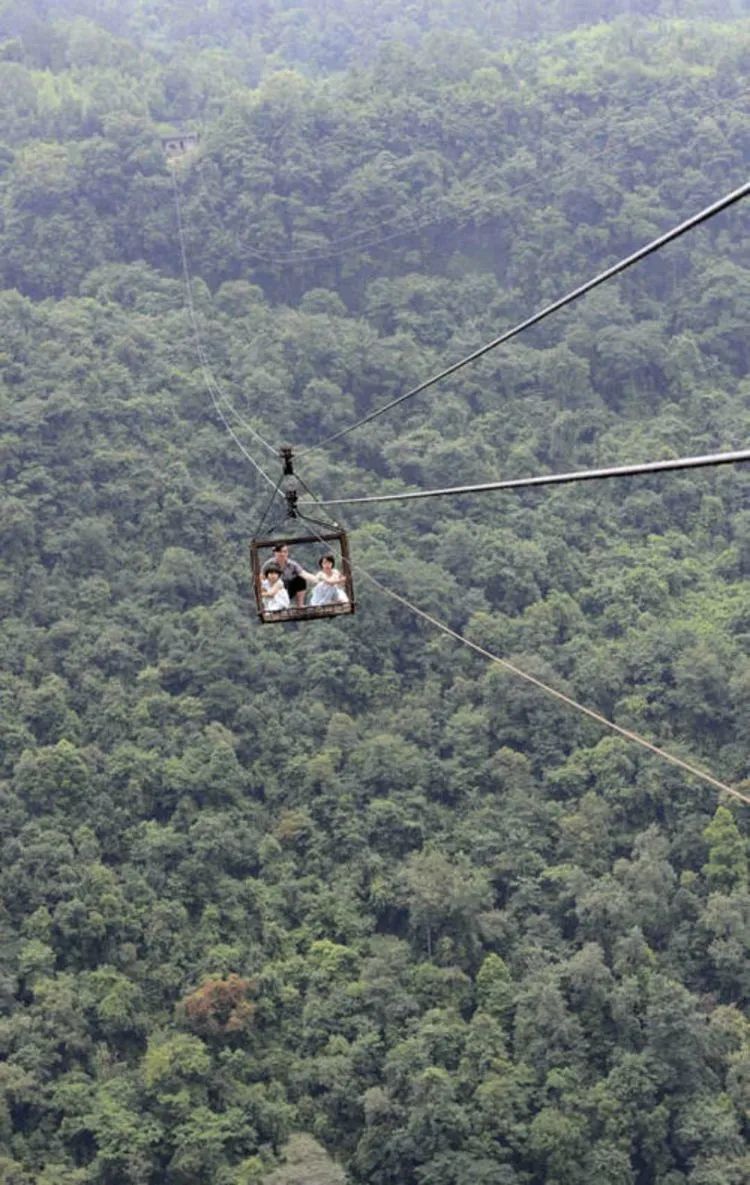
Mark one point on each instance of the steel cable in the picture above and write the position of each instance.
(642, 253)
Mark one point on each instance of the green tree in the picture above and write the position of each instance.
(443, 895)
(726, 867)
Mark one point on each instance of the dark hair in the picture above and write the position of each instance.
(328, 556)
(272, 568)
(279, 546)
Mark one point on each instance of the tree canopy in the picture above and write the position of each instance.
(341, 901)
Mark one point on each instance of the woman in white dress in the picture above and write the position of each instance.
(329, 583)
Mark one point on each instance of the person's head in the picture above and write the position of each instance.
(273, 572)
(327, 561)
(281, 551)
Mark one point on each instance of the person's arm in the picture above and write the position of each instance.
(267, 593)
(279, 599)
(333, 577)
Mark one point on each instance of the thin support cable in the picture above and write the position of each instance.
(240, 418)
(655, 245)
(269, 504)
(207, 376)
(550, 479)
(627, 733)
(210, 380)
(314, 501)
(211, 384)
(319, 523)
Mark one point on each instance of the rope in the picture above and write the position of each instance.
(518, 483)
(655, 245)
(207, 376)
(627, 733)
(269, 504)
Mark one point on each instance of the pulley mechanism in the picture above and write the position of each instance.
(291, 503)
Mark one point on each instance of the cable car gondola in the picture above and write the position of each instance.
(286, 589)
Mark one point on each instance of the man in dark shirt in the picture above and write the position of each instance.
(292, 573)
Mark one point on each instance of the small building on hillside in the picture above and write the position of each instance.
(178, 143)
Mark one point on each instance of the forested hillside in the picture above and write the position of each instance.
(343, 901)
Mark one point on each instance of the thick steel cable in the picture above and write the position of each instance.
(627, 734)
(207, 375)
(550, 479)
(642, 253)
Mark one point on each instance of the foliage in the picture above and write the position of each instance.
(349, 902)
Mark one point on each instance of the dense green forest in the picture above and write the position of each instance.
(342, 901)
